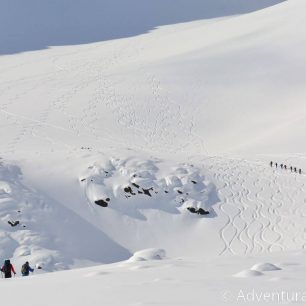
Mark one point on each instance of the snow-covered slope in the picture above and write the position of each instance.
(34, 25)
(274, 280)
(119, 206)
(234, 84)
(109, 141)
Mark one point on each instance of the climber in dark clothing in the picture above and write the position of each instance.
(271, 163)
(7, 269)
(26, 269)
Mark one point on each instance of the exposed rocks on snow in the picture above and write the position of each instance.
(199, 211)
(136, 185)
(38, 266)
(144, 186)
(102, 203)
(147, 191)
(129, 190)
(13, 223)
(192, 209)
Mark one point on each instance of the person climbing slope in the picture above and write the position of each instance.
(26, 269)
(7, 269)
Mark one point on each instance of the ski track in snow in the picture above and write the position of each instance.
(160, 122)
(260, 215)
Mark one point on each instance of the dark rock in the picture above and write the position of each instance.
(192, 209)
(82, 180)
(101, 203)
(13, 223)
(140, 192)
(194, 182)
(129, 190)
(201, 211)
(136, 185)
(107, 199)
(147, 191)
(180, 192)
(166, 191)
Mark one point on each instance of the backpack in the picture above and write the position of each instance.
(7, 266)
(24, 269)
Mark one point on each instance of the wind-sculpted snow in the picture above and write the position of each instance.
(133, 186)
(149, 254)
(47, 234)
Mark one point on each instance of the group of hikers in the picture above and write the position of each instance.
(7, 269)
(285, 167)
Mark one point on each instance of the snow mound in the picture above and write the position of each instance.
(148, 254)
(262, 267)
(248, 273)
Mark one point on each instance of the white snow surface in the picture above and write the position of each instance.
(116, 118)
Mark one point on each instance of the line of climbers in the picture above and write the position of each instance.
(7, 269)
(285, 167)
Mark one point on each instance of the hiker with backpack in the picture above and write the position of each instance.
(7, 269)
(26, 269)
